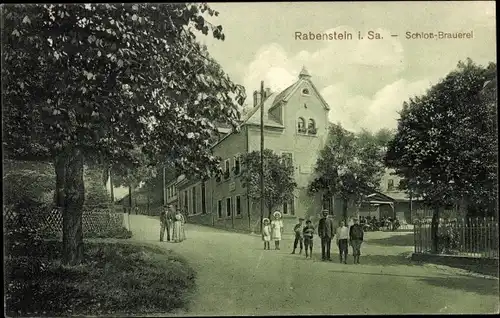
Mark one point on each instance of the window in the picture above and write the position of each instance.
(186, 201)
(305, 91)
(193, 199)
(228, 207)
(227, 165)
(288, 208)
(311, 127)
(238, 205)
(287, 158)
(301, 125)
(390, 185)
(236, 167)
(219, 209)
(203, 199)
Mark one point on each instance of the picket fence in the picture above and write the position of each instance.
(50, 220)
(472, 237)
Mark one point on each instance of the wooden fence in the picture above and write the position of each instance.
(473, 237)
(50, 220)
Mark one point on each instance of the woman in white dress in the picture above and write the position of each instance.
(276, 229)
(178, 228)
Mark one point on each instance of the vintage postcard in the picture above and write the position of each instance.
(241, 159)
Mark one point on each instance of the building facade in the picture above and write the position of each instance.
(296, 126)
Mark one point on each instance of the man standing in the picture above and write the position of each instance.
(356, 235)
(165, 222)
(326, 231)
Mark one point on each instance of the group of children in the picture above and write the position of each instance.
(272, 230)
(304, 234)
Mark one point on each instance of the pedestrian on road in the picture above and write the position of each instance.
(326, 231)
(356, 235)
(276, 229)
(308, 238)
(342, 241)
(298, 229)
(178, 232)
(266, 233)
(166, 222)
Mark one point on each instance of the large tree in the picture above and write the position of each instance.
(96, 81)
(446, 144)
(279, 181)
(349, 166)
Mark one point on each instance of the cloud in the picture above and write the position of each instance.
(361, 80)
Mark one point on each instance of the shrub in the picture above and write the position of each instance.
(115, 279)
(115, 232)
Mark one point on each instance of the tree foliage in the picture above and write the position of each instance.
(446, 144)
(349, 166)
(94, 82)
(279, 181)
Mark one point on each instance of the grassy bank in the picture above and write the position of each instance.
(115, 278)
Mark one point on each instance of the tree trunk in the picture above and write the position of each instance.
(59, 168)
(111, 187)
(130, 198)
(74, 195)
(434, 230)
(148, 197)
(344, 209)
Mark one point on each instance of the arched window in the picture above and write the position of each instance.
(311, 126)
(301, 125)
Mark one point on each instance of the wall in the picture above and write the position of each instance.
(304, 148)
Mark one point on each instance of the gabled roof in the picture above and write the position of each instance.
(285, 95)
(389, 197)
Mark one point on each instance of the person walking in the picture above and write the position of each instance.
(342, 241)
(276, 229)
(326, 231)
(298, 229)
(165, 222)
(308, 238)
(266, 233)
(356, 235)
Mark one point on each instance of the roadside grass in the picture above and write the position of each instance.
(115, 278)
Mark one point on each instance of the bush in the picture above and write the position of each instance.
(116, 232)
(114, 279)
(26, 185)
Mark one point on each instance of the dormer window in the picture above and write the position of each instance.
(301, 125)
(311, 127)
(305, 91)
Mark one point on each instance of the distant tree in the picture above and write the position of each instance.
(446, 144)
(279, 181)
(349, 166)
(94, 81)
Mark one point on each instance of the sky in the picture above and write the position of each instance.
(364, 81)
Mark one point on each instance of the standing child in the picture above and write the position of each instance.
(266, 234)
(342, 238)
(308, 238)
(298, 236)
(276, 229)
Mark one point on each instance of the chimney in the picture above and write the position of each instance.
(268, 92)
(256, 98)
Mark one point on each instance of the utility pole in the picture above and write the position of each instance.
(261, 154)
(164, 190)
